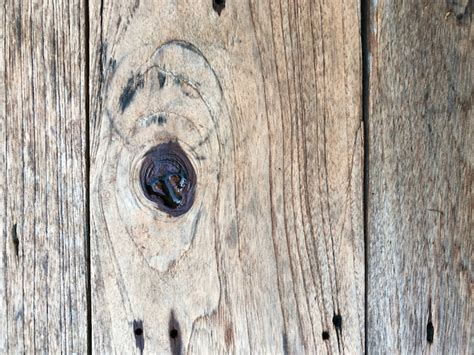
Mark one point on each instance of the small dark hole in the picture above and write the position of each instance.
(138, 331)
(325, 335)
(430, 332)
(337, 321)
(218, 6)
(173, 333)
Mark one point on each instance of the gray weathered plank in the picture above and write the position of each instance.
(265, 99)
(43, 304)
(420, 274)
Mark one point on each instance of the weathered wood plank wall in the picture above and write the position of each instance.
(420, 177)
(265, 99)
(43, 303)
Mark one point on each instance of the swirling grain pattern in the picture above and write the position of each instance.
(264, 99)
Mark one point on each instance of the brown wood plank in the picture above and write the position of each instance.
(420, 276)
(265, 100)
(43, 305)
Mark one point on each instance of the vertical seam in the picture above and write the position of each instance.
(87, 173)
(364, 30)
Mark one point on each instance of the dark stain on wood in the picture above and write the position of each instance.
(133, 84)
(161, 79)
(103, 60)
(176, 343)
(16, 241)
(138, 332)
(285, 344)
(430, 326)
(112, 65)
(159, 120)
(178, 80)
(337, 321)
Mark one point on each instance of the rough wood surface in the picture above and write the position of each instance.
(42, 178)
(265, 100)
(420, 275)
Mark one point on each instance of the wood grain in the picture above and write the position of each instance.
(265, 100)
(420, 275)
(42, 178)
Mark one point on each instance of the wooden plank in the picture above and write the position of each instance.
(420, 272)
(3, 300)
(43, 304)
(264, 99)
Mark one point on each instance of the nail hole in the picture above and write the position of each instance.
(138, 331)
(176, 344)
(337, 321)
(325, 335)
(173, 333)
(430, 332)
(218, 6)
(133, 84)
